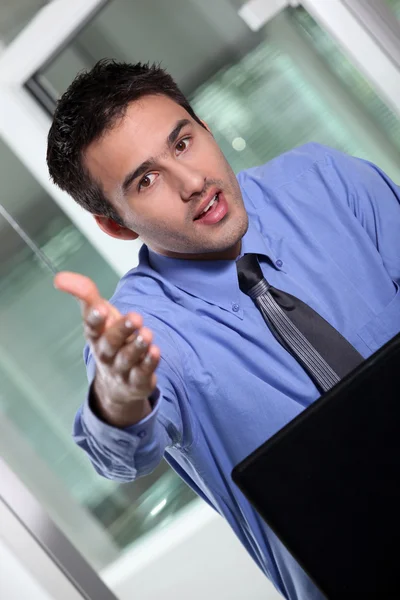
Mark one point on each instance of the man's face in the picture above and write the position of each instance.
(159, 168)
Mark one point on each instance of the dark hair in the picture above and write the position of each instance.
(92, 104)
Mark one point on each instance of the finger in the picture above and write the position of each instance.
(116, 336)
(142, 376)
(131, 354)
(94, 321)
(100, 317)
(85, 290)
(79, 286)
(150, 361)
(104, 317)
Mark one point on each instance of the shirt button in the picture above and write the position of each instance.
(279, 263)
(142, 434)
(235, 307)
(123, 443)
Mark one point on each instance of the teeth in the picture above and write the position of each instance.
(209, 205)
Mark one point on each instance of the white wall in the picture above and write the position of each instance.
(16, 582)
(26, 571)
(197, 556)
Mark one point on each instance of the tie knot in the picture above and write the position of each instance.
(251, 278)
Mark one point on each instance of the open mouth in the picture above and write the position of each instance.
(212, 205)
(215, 211)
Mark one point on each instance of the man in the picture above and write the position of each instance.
(181, 362)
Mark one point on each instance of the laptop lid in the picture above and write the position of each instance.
(328, 483)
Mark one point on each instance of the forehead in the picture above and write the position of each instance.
(139, 135)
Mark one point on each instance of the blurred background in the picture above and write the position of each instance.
(266, 75)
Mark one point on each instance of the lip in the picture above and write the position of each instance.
(215, 214)
(206, 200)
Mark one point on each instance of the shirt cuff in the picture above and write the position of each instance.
(140, 432)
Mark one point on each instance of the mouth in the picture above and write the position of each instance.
(207, 204)
(212, 210)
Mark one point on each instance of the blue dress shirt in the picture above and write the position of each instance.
(327, 227)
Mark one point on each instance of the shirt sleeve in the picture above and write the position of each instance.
(123, 454)
(375, 201)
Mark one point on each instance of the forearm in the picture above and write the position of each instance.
(117, 414)
(122, 445)
(121, 454)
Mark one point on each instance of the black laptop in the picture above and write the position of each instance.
(328, 483)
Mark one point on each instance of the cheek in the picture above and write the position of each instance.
(155, 207)
(218, 158)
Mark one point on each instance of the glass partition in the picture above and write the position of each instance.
(395, 6)
(296, 86)
(262, 93)
(192, 39)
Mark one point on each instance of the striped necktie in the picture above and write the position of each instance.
(321, 350)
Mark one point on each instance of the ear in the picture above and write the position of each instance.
(110, 227)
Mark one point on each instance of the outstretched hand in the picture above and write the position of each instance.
(126, 358)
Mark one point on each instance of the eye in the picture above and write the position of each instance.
(183, 144)
(147, 181)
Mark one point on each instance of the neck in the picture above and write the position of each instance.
(229, 254)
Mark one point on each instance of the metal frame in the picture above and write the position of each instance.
(45, 551)
(354, 117)
(378, 19)
(84, 530)
(24, 124)
(365, 29)
(50, 30)
(363, 49)
(255, 13)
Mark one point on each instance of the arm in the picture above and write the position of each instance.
(125, 424)
(375, 201)
(125, 453)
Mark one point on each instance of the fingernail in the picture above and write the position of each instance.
(128, 324)
(95, 316)
(147, 360)
(141, 344)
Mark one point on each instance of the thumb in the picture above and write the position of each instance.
(84, 290)
(79, 286)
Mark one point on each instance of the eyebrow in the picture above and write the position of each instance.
(148, 164)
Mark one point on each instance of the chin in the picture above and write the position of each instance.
(236, 229)
(231, 236)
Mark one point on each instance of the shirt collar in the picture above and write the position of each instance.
(214, 281)
(263, 244)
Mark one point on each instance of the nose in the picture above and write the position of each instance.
(190, 180)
